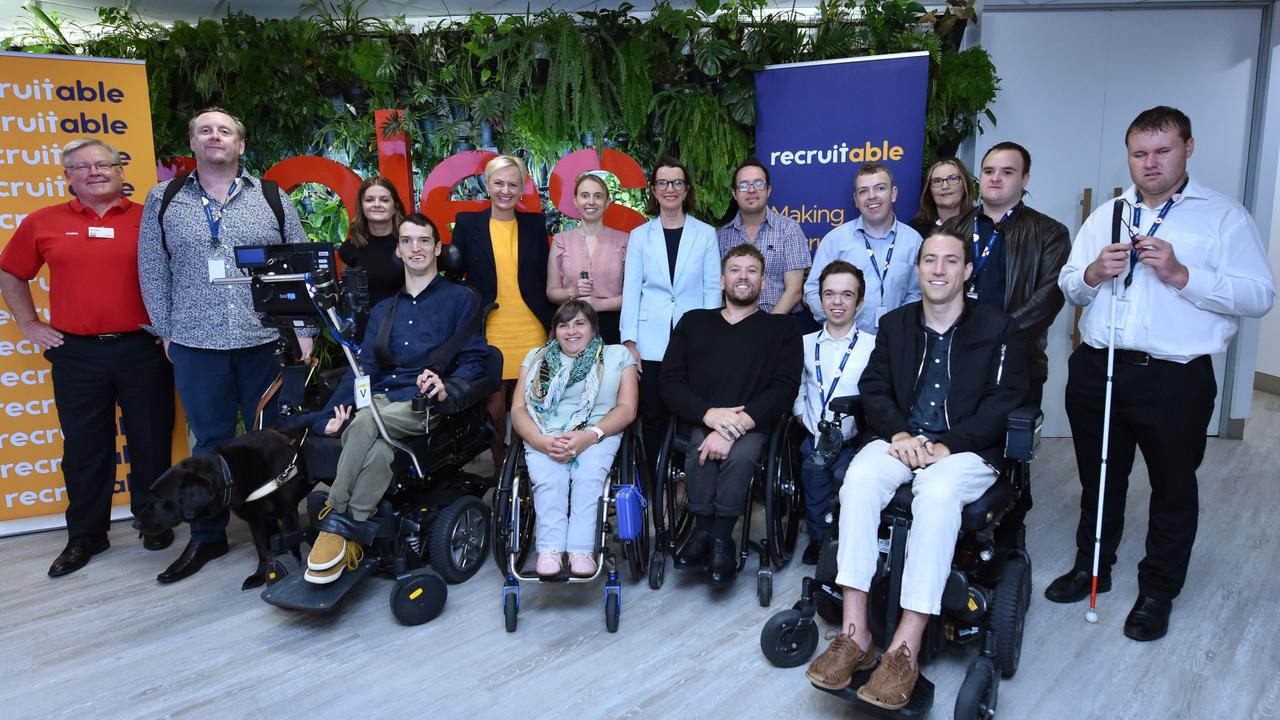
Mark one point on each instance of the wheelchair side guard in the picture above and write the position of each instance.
(1022, 436)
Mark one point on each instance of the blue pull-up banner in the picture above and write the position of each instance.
(818, 122)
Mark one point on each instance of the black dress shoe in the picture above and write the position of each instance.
(723, 564)
(157, 541)
(1149, 619)
(694, 553)
(811, 552)
(193, 557)
(1075, 586)
(76, 554)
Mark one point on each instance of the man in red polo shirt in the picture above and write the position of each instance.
(100, 354)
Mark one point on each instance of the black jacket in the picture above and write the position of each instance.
(471, 236)
(1035, 249)
(988, 378)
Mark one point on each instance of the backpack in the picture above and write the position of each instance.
(270, 192)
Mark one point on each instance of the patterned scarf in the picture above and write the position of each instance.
(548, 377)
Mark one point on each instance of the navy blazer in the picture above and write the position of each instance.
(471, 236)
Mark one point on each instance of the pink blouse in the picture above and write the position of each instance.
(605, 266)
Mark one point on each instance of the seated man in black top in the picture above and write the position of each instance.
(730, 373)
(403, 332)
(942, 380)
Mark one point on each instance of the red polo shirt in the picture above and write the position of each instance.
(93, 265)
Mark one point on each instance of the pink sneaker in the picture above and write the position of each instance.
(582, 565)
(549, 564)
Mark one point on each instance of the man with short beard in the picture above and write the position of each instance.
(730, 373)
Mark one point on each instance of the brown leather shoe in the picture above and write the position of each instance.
(835, 667)
(891, 684)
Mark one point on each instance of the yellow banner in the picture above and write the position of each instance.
(47, 101)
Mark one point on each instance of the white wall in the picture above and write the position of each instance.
(1267, 202)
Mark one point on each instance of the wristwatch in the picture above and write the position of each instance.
(599, 433)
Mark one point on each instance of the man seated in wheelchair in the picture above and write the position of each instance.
(944, 376)
(834, 358)
(403, 332)
(574, 398)
(729, 373)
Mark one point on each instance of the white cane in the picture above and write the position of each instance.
(1092, 614)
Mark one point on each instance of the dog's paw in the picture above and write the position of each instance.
(253, 581)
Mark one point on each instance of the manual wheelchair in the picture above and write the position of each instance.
(623, 520)
(776, 484)
(985, 600)
(432, 527)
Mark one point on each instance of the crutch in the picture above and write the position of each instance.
(1092, 614)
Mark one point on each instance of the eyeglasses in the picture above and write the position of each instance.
(948, 180)
(753, 185)
(673, 184)
(99, 166)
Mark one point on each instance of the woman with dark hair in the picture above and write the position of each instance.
(947, 193)
(371, 242)
(587, 261)
(673, 266)
(504, 255)
(574, 398)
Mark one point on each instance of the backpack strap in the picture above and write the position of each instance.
(271, 193)
(170, 192)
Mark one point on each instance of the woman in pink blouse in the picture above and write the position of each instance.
(586, 262)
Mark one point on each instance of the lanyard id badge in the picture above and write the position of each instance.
(363, 392)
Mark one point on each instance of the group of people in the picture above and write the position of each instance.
(940, 324)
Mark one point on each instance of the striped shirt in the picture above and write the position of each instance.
(184, 306)
(783, 244)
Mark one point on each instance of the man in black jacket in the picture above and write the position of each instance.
(942, 380)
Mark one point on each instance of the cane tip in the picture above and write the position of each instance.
(1091, 616)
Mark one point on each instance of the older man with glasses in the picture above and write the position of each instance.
(92, 335)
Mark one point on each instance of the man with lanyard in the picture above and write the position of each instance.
(843, 350)
(95, 342)
(223, 358)
(1178, 264)
(403, 333)
(778, 237)
(870, 243)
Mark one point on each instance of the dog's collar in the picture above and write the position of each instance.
(288, 473)
(227, 480)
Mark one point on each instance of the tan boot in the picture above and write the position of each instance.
(891, 684)
(834, 668)
(350, 559)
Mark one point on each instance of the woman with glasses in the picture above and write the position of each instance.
(586, 262)
(504, 256)
(673, 266)
(947, 193)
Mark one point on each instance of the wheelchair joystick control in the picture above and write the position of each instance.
(422, 403)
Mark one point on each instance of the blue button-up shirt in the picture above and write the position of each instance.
(900, 285)
(929, 412)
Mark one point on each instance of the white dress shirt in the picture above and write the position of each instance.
(1228, 277)
(808, 404)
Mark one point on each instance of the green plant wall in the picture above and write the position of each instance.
(680, 82)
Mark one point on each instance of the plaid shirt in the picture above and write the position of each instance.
(783, 245)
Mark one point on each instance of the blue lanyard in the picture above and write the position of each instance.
(214, 218)
(980, 254)
(1155, 226)
(888, 257)
(817, 364)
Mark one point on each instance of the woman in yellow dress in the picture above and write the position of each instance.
(504, 255)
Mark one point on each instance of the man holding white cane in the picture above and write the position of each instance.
(1181, 263)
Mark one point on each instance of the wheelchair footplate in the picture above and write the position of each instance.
(917, 707)
(295, 593)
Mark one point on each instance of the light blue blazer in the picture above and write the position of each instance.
(651, 303)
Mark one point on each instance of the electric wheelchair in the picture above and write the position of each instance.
(622, 516)
(775, 484)
(984, 603)
(432, 527)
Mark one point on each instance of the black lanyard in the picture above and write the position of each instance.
(888, 257)
(214, 218)
(1155, 226)
(817, 364)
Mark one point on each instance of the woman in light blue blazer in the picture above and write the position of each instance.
(673, 266)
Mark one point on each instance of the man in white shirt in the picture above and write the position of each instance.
(834, 358)
(1181, 263)
(875, 243)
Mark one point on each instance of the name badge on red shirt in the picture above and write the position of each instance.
(102, 232)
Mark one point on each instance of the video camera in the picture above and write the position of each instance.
(279, 275)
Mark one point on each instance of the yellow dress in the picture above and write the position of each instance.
(512, 328)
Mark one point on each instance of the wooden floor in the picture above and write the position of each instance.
(109, 642)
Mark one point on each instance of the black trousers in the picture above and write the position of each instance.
(90, 377)
(654, 413)
(1164, 409)
(721, 487)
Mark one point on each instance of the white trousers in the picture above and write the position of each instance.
(941, 491)
(566, 499)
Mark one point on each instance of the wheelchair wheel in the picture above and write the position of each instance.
(672, 518)
(828, 608)
(788, 640)
(764, 590)
(635, 551)
(418, 597)
(1008, 614)
(657, 570)
(612, 607)
(512, 530)
(783, 504)
(511, 607)
(978, 693)
(459, 537)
